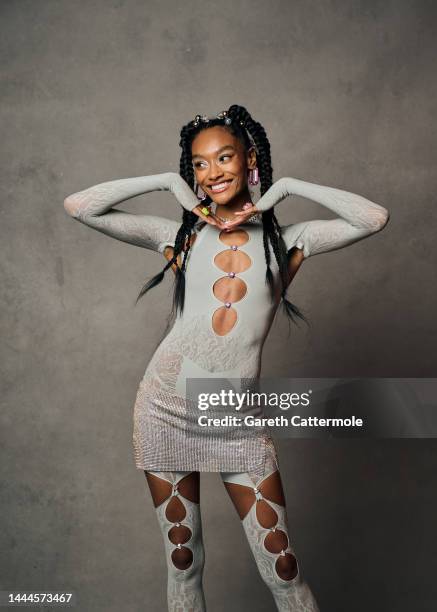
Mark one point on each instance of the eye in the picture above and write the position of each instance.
(198, 164)
(225, 156)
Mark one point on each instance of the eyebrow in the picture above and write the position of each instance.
(217, 152)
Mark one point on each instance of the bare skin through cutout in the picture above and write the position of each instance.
(182, 557)
(175, 510)
(272, 489)
(161, 489)
(228, 262)
(228, 289)
(179, 534)
(243, 497)
(286, 566)
(236, 236)
(296, 258)
(223, 320)
(232, 261)
(276, 541)
(265, 514)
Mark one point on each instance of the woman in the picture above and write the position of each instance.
(233, 264)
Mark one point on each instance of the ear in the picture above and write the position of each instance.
(251, 158)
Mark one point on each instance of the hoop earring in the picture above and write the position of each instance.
(200, 196)
(254, 176)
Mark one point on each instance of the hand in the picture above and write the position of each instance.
(242, 216)
(212, 219)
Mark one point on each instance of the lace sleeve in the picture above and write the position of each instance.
(358, 216)
(94, 207)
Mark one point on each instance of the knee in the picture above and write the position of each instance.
(180, 522)
(186, 552)
(187, 564)
(281, 575)
(286, 568)
(285, 564)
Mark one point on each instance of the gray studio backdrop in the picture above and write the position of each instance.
(93, 90)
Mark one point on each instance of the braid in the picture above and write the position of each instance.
(182, 239)
(250, 132)
(271, 229)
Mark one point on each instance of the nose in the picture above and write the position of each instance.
(215, 172)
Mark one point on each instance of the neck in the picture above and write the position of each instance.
(227, 210)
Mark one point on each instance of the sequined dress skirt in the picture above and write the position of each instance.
(167, 437)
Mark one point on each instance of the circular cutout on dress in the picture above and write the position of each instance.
(265, 514)
(228, 289)
(175, 510)
(286, 566)
(179, 534)
(223, 320)
(276, 541)
(232, 261)
(236, 236)
(182, 557)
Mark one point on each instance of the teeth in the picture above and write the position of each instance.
(220, 186)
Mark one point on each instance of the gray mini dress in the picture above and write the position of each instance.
(227, 314)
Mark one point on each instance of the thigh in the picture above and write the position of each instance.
(176, 499)
(162, 485)
(244, 490)
(265, 525)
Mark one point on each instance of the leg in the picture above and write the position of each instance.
(176, 499)
(260, 503)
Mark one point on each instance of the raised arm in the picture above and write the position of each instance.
(93, 207)
(358, 216)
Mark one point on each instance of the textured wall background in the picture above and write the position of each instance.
(96, 90)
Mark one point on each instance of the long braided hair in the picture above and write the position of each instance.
(250, 133)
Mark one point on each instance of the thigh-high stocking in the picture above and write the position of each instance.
(260, 503)
(176, 499)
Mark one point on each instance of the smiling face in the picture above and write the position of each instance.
(220, 163)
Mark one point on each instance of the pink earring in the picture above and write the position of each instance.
(254, 176)
(202, 195)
